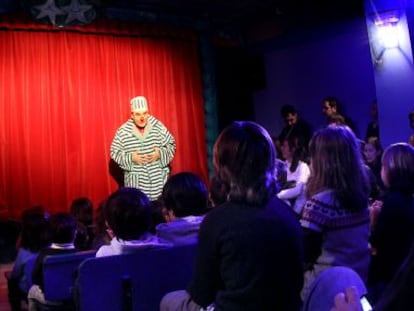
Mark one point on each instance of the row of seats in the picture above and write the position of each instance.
(132, 282)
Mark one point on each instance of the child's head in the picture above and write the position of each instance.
(398, 167)
(63, 228)
(35, 233)
(185, 194)
(128, 213)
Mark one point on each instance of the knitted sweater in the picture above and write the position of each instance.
(344, 232)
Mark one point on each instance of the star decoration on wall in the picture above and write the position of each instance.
(48, 9)
(77, 12)
(63, 13)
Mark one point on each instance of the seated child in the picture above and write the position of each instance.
(63, 230)
(128, 217)
(34, 237)
(185, 198)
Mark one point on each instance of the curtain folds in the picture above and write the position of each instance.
(64, 93)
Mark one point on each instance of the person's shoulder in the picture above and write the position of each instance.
(221, 214)
(104, 250)
(26, 253)
(325, 198)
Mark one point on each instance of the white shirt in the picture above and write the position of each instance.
(118, 246)
(300, 176)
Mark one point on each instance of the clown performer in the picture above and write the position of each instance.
(143, 148)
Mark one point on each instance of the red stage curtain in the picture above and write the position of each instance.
(64, 93)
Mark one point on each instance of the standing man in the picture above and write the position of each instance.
(334, 115)
(143, 147)
(295, 126)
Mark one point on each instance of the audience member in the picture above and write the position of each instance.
(392, 217)
(34, 237)
(297, 174)
(295, 126)
(128, 218)
(373, 126)
(334, 114)
(157, 208)
(63, 230)
(335, 218)
(82, 209)
(239, 263)
(100, 235)
(185, 198)
(372, 151)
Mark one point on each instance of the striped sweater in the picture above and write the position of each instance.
(344, 233)
(149, 178)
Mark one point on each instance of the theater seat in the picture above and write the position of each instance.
(59, 275)
(135, 281)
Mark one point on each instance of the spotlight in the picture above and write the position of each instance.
(387, 31)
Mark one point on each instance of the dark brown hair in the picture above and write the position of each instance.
(244, 159)
(128, 213)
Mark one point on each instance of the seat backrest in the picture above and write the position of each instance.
(59, 274)
(134, 281)
(327, 284)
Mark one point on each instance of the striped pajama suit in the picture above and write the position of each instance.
(151, 177)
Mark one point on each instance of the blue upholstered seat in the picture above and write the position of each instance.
(135, 281)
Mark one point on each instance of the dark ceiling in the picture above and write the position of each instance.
(252, 19)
